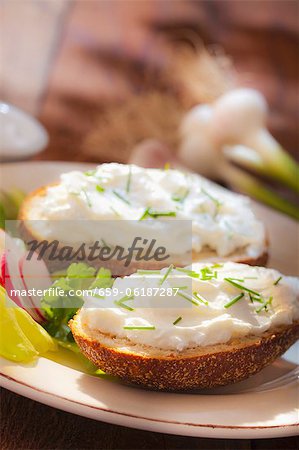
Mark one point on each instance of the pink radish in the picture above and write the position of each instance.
(11, 275)
(35, 275)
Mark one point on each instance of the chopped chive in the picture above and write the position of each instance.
(189, 298)
(149, 212)
(216, 266)
(200, 298)
(114, 210)
(145, 214)
(177, 320)
(180, 287)
(244, 288)
(207, 274)
(139, 328)
(255, 299)
(128, 185)
(238, 279)
(170, 268)
(89, 173)
(190, 273)
(121, 301)
(215, 200)
(277, 281)
(180, 198)
(100, 189)
(145, 272)
(121, 197)
(87, 198)
(265, 305)
(234, 300)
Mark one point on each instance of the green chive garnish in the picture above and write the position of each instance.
(189, 298)
(277, 281)
(200, 298)
(180, 198)
(149, 212)
(234, 300)
(121, 301)
(170, 268)
(146, 272)
(244, 288)
(214, 200)
(100, 188)
(89, 173)
(114, 210)
(190, 273)
(265, 305)
(177, 320)
(87, 198)
(139, 328)
(128, 185)
(255, 299)
(121, 197)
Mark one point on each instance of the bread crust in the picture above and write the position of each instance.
(198, 368)
(117, 267)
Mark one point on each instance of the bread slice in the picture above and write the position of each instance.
(195, 368)
(117, 267)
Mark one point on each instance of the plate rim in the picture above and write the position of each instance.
(143, 423)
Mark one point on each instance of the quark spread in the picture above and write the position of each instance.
(198, 306)
(218, 219)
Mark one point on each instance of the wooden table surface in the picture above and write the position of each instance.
(26, 424)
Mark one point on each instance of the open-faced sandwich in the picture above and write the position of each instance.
(185, 329)
(193, 218)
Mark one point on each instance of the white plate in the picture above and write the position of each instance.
(222, 413)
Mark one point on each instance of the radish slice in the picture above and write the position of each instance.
(11, 276)
(35, 275)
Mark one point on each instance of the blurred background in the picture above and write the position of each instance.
(103, 74)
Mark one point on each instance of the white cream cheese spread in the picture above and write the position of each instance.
(198, 306)
(219, 219)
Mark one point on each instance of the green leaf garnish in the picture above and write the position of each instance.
(59, 306)
(177, 320)
(234, 300)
